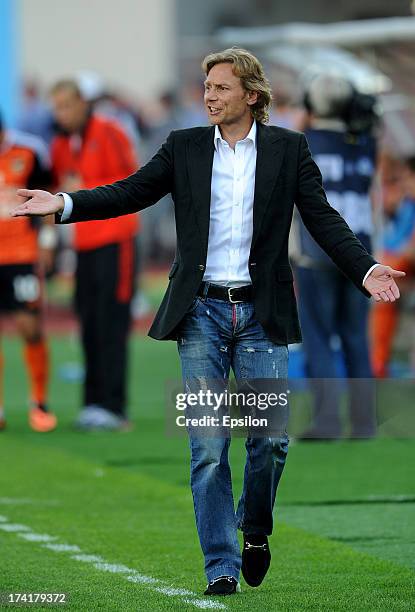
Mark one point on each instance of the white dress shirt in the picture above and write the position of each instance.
(68, 206)
(231, 211)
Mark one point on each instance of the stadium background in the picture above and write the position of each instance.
(345, 535)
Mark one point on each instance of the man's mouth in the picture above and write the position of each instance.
(213, 110)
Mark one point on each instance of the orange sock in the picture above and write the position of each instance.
(37, 363)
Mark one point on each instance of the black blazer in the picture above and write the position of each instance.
(285, 174)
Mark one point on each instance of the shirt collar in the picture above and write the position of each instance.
(250, 136)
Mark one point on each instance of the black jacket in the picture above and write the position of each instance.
(285, 174)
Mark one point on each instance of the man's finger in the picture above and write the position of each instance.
(395, 290)
(384, 296)
(396, 273)
(19, 211)
(26, 193)
(390, 295)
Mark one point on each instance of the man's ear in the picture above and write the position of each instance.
(252, 97)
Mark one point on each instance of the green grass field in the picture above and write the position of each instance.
(108, 518)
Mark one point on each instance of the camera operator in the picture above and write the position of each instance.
(341, 140)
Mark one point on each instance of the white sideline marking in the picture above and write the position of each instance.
(113, 568)
(172, 591)
(87, 558)
(14, 527)
(141, 579)
(23, 531)
(37, 537)
(63, 547)
(205, 604)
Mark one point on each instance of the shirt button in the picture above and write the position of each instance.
(201, 267)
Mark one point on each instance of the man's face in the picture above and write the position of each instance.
(69, 109)
(226, 101)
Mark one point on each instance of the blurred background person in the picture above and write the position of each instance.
(329, 304)
(192, 113)
(92, 150)
(159, 235)
(35, 116)
(285, 110)
(397, 248)
(26, 253)
(109, 104)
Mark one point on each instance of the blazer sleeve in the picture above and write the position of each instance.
(136, 192)
(325, 224)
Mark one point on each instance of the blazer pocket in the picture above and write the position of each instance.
(173, 269)
(284, 273)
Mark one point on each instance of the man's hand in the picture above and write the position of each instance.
(381, 284)
(39, 204)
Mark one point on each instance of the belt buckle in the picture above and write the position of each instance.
(232, 301)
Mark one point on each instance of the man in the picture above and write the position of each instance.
(26, 249)
(329, 305)
(89, 151)
(230, 301)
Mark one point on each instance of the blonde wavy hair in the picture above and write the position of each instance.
(249, 69)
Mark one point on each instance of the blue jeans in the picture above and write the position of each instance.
(213, 337)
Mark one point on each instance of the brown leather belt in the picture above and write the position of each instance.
(234, 295)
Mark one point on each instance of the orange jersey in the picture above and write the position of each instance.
(102, 154)
(22, 164)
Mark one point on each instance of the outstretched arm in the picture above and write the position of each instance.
(136, 192)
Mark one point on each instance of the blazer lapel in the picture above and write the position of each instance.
(270, 154)
(200, 162)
